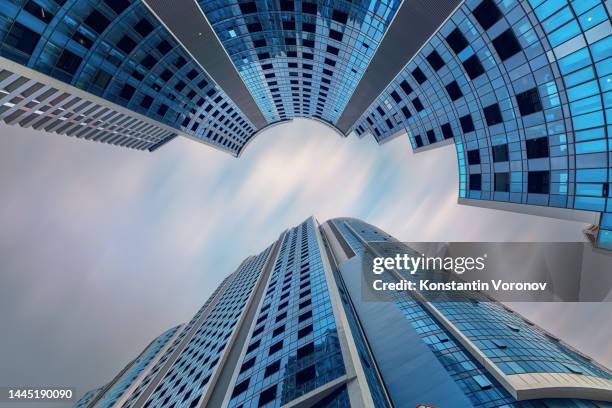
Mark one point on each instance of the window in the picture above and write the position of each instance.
(500, 153)
(287, 5)
(416, 102)
(126, 44)
(22, 38)
(406, 87)
(305, 316)
(492, 115)
(117, 5)
(538, 182)
(435, 60)
(529, 102)
(487, 14)
(339, 16)
(256, 27)
(305, 375)
(272, 368)
(240, 388)
(143, 27)
(281, 316)
(278, 346)
(266, 396)
(506, 44)
(447, 131)
(475, 182)
(482, 382)
(333, 50)
(248, 8)
(335, 35)
(473, 156)
(537, 148)
(127, 91)
(309, 8)
(163, 47)
(305, 351)
(419, 76)
(454, 92)
(502, 182)
(97, 21)
(148, 61)
(466, 123)
(278, 331)
(305, 331)
(146, 102)
(406, 112)
(253, 346)
(69, 62)
(396, 97)
(418, 140)
(473, 67)
(248, 364)
(456, 40)
(431, 136)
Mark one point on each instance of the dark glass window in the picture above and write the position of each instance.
(537, 148)
(454, 92)
(247, 364)
(406, 112)
(419, 76)
(39, 12)
(418, 140)
(529, 102)
(22, 38)
(473, 156)
(143, 27)
(416, 102)
(102, 78)
(467, 125)
(335, 35)
(82, 39)
(431, 136)
(248, 8)
(380, 111)
(487, 14)
(272, 368)
(253, 346)
(475, 182)
(396, 97)
(309, 8)
(261, 43)
(255, 28)
(287, 5)
(435, 60)
(148, 61)
(405, 87)
(447, 131)
(278, 330)
(267, 395)
(126, 44)
(69, 62)
(339, 16)
(538, 182)
(240, 388)
(305, 331)
(117, 5)
(163, 47)
(457, 41)
(97, 21)
(333, 50)
(500, 153)
(289, 25)
(305, 375)
(146, 102)
(305, 351)
(506, 44)
(492, 115)
(502, 182)
(275, 347)
(473, 67)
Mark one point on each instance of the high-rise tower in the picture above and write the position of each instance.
(520, 87)
(290, 328)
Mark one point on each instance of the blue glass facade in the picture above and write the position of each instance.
(512, 343)
(118, 50)
(300, 58)
(294, 346)
(522, 88)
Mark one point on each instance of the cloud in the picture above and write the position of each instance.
(103, 248)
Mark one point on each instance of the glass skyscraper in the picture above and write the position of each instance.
(291, 328)
(520, 87)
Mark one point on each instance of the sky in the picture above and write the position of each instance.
(103, 248)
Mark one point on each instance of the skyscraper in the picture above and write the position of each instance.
(520, 87)
(290, 328)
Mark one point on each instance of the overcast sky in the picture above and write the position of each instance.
(103, 248)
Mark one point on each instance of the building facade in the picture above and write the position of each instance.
(291, 328)
(520, 87)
